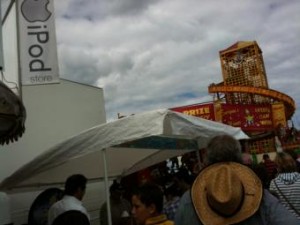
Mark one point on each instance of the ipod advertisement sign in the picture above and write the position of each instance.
(37, 42)
(1, 45)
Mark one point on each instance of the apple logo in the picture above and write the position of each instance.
(35, 10)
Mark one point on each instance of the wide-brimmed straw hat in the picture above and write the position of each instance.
(226, 193)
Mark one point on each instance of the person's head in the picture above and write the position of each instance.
(247, 159)
(285, 163)
(226, 193)
(293, 154)
(261, 171)
(147, 202)
(171, 192)
(183, 179)
(266, 156)
(189, 160)
(224, 148)
(116, 190)
(75, 186)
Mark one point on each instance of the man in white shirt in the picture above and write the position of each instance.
(74, 191)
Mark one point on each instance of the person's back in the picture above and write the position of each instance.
(227, 192)
(261, 171)
(271, 166)
(67, 203)
(72, 217)
(183, 180)
(74, 191)
(287, 184)
(120, 213)
(172, 201)
(120, 208)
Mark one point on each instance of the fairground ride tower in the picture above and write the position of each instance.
(244, 98)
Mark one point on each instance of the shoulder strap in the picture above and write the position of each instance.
(286, 200)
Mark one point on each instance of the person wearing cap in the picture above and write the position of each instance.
(228, 192)
(120, 207)
(74, 191)
(147, 205)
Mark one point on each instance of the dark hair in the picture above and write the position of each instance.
(150, 193)
(74, 182)
(74, 217)
(285, 163)
(172, 190)
(116, 186)
(183, 174)
(262, 173)
(266, 156)
(224, 148)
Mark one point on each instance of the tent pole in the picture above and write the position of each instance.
(106, 187)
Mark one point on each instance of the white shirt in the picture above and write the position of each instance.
(65, 204)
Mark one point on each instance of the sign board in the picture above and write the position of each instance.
(1, 42)
(205, 111)
(37, 42)
(248, 117)
(278, 115)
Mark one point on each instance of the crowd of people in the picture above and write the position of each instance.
(229, 189)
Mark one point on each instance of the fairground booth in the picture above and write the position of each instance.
(244, 99)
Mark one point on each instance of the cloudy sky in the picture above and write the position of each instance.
(150, 54)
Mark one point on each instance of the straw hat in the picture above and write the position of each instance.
(226, 193)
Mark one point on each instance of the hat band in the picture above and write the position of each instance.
(224, 214)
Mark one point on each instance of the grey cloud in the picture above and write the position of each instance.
(148, 54)
(102, 9)
(88, 65)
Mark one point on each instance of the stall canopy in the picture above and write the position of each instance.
(120, 147)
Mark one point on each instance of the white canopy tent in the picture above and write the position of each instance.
(120, 147)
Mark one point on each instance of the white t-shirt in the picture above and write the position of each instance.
(67, 203)
(5, 214)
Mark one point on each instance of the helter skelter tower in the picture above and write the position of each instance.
(244, 94)
(242, 65)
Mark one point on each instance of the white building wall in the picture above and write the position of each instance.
(54, 112)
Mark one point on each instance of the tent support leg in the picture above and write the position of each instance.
(106, 187)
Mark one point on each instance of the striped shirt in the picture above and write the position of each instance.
(289, 190)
